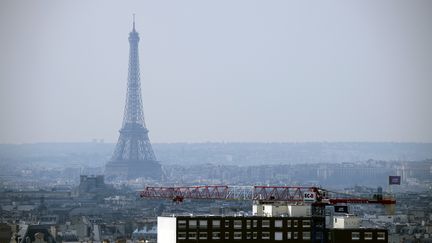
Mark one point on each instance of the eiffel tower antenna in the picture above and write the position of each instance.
(133, 22)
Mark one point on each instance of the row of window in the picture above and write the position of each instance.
(239, 224)
(305, 235)
(368, 235)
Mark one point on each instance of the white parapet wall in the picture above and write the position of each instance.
(348, 221)
(166, 229)
(257, 209)
(278, 209)
(299, 210)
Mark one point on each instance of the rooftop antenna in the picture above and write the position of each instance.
(133, 21)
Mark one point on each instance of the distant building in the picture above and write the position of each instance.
(38, 234)
(5, 232)
(145, 233)
(91, 184)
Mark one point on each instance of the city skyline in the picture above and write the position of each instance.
(244, 71)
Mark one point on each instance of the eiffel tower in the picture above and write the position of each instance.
(133, 156)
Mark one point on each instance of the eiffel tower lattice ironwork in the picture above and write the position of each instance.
(133, 156)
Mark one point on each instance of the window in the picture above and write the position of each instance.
(319, 225)
(355, 235)
(216, 224)
(255, 223)
(266, 223)
(381, 236)
(181, 235)
(192, 224)
(182, 224)
(227, 224)
(237, 224)
(216, 235)
(295, 223)
(237, 235)
(227, 235)
(255, 235)
(278, 223)
(203, 224)
(306, 223)
(203, 235)
(306, 235)
(192, 235)
(288, 223)
(295, 235)
(265, 235)
(248, 235)
(248, 224)
(289, 235)
(319, 235)
(368, 236)
(278, 235)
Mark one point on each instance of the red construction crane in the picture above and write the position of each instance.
(317, 197)
(293, 194)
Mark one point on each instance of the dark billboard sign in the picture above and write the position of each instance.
(341, 209)
(394, 180)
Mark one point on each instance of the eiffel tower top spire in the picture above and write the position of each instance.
(133, 112)
(133, 29)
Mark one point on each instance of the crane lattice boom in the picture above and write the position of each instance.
(262, 193)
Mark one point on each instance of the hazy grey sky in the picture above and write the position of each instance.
(221, 70)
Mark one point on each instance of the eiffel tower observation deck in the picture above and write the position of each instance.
(133, 156)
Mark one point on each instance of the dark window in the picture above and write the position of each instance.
(203, 235)
(192, 235)
(216, 224)
(192, 224)
(182, 224)
(237, 224)
(203, 224)
(181, 235)
(306, 235)
(227, 223)
(355, 235)
(381, 236)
